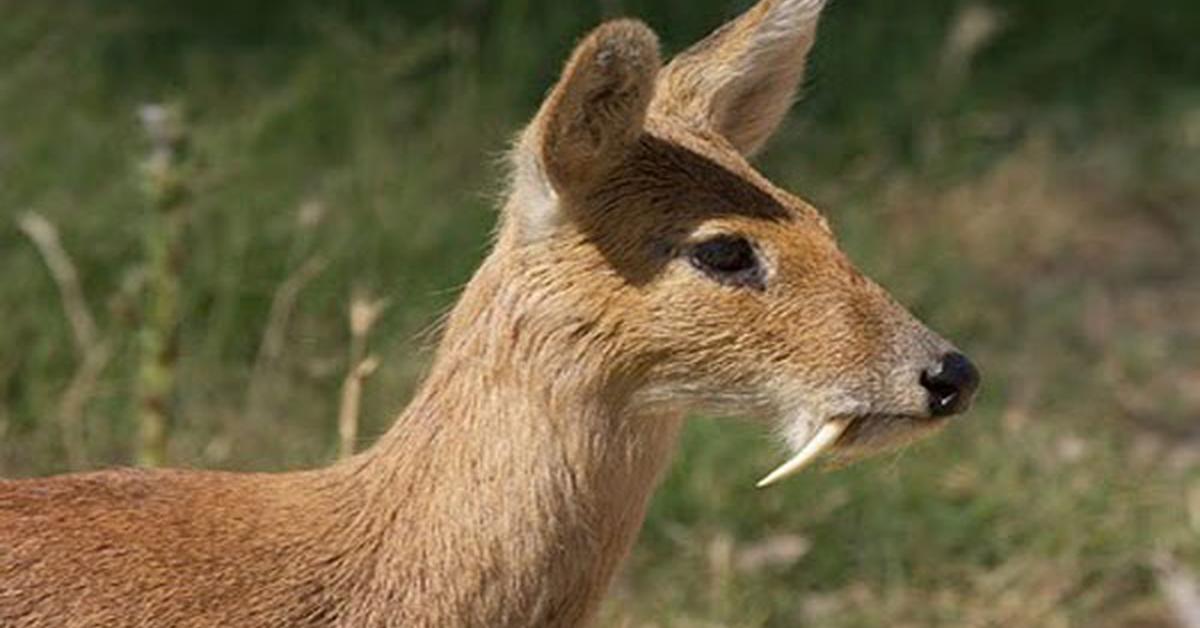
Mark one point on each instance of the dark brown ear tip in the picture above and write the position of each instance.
(624, 44)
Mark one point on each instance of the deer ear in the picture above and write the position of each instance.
(588, 123)
(741, 80)
(596, 111)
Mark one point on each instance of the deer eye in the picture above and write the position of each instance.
(729, 259)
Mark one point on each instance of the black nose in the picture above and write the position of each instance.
(951, 385)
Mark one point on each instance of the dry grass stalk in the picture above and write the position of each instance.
(93, 352)
(364, 313)
(283, 304)
(351, 404)
(974, 26)
(44, 236)
(73, 404)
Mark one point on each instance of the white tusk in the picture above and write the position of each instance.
(824, 439)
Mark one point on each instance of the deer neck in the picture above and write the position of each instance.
(517, 480)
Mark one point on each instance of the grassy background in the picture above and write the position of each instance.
(1037, 199)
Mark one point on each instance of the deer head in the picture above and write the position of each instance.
(636, 215)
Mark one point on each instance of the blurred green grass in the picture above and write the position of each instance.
(1036, 202)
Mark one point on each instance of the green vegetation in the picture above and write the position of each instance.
(1032, 194)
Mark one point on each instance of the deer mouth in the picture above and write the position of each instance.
(853, 437)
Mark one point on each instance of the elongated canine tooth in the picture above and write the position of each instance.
(822, 441)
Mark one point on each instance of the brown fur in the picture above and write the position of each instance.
(513, 485)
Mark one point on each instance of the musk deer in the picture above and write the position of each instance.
(642, 270)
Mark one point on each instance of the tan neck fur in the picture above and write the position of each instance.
(515, 482)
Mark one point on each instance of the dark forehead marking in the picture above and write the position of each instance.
(667, 187)
(675, 178)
